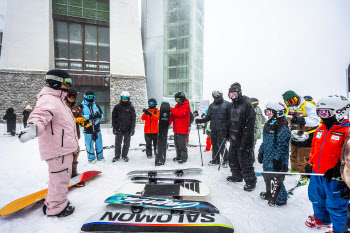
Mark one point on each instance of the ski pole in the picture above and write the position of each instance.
(219, 152)
(200, 146)
(290, 173)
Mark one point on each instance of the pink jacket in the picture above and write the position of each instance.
(55, 124)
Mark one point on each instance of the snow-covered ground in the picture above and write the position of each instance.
(22, 173)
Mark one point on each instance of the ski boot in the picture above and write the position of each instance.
(225, 164)
(264, 196)
(206, 150)
(213, 163)
(93, 161)
(180, 161)
(234, 179)
(102, 159)
(149, 157)
(176, 159)
(273, 204)
(249, 187)
(115, 159)
(126, 159)
(313, 222)
(303, 181)
(64, 213)
(293, 171)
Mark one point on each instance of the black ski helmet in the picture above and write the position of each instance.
(55, 78)
(87, 94)
(152, 103)
(254, 101)
(72, 90)
(180, 95)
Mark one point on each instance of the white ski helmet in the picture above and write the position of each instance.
(339, 105)
(278, 109)
(125, 93)
(217, 93)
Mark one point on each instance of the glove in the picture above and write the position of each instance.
(346, 193)
(195, 113)
(92, 117)
(333, 172)
(147, 112)
(277, 165)
(97, 115)
(115, 131)
(308, 169)
(132, 132)
(80, 120)
(27, 133)
(198, 121)
(260, 158)
(298, 120)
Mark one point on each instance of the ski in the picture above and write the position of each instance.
(151, 180)
(109, 221)
(35, 197)
(139, 202)
(154, 173)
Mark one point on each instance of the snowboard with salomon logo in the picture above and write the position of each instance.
(137, 203)
(154, 173)
(186, 223)
(155, 180)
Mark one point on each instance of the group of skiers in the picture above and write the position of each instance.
(11, 118)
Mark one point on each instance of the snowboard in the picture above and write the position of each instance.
(186, 189)
(153, 180)
(154, 173)
(35, 197)
(162, 142)
(128, 222)
(139, 202)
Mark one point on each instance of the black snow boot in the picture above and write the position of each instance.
(115, 159)
(273, 204)
(176, 159)
(180, 161)
(126, 159)
(249, 187)
(264, 196)
(213, 163)
(64, 213)
(234, 179)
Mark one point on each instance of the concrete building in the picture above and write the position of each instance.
(172, 33)
(97, 41)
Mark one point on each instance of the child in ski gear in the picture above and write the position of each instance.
(326, 193)
(93, 113)
(241, 121)
(217, 115)
(257, 126)
(10, 118)
(54, 125)
(151, 118)
(302, 116)
(123, 122)
(180, 117)
(274, 153)
(26, 113)
(77, 112)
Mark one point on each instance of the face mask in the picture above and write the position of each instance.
(329, 122)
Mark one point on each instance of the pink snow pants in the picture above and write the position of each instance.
(60, 171)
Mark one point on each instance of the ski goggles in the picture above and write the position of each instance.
(152, 103)
(74, 96)
(89, 97)
(292, 101)
(233, 95)
(125, 98)
(66, 81)
(325, 113)
(216, 93)
(178, 100)
(268, 112)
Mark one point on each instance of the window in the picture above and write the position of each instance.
(0, 42)
(81, 46)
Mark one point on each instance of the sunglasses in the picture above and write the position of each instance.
(291, 101)
(268, 112)
(74, 96)
(152, 103)
(325, 113)
(233, 95)
(125, 97)
(90, 97)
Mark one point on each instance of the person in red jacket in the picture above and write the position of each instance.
(180, 117)
(151, 118)
(326, 193)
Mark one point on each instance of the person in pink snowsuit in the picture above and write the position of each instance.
(54, 125)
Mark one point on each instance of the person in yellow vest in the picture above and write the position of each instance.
(303, 121)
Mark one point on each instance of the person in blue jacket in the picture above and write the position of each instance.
(93, 113)
(274, 153)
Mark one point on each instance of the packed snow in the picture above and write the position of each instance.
(22, 173)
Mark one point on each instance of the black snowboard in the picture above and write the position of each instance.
(164, 117)
(274, 183)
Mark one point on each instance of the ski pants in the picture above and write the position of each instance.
(328, 206)
(208, 143)
(241, 164)
(299, 157)
(275, 190)
(151, 138)
(347, 224)
(89, 143)
(217, 138)
(118, 144)
(60, 171)
(180, 145)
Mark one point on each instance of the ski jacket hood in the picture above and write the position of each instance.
(55, 124)
(180, 117)
(327, 146)
(151, 122)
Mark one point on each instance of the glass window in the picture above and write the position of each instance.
(61, 40)
(103, 44)
(75, 41)
(90, 43)
(0, 42)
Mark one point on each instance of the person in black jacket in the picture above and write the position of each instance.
(241, 121)
(217, 115)
(26, 114)
(123, 122)
(10, 117)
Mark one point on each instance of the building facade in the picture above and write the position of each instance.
(76, 36)
(172, 33)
